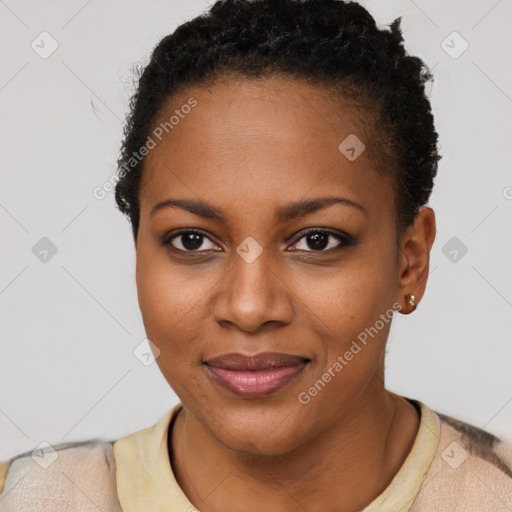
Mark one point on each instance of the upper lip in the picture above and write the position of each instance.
(262, 361)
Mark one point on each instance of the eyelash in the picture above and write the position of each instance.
(345, 240)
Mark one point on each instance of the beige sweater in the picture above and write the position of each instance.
(452, 466)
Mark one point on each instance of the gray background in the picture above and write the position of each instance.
(70, 324)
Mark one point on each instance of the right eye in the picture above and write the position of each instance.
(189, 240)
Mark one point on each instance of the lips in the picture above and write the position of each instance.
(255, 376)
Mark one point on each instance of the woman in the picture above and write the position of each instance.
(276, 168)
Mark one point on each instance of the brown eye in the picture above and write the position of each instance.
(190, 241)
(321, 241)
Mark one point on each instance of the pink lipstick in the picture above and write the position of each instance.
(255, 376)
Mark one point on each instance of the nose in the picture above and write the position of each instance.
(252, 296)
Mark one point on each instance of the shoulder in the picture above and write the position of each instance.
(64, 477)
(487, 447)
(471, 470)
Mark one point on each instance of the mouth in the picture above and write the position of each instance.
(255, 376)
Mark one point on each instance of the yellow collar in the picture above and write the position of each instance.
(145, 481)
(144, 477)
(401, 492)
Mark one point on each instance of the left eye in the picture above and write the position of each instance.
(321, 240)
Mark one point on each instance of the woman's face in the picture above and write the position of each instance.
(254, 163)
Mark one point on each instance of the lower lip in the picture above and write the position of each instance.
(255, 384)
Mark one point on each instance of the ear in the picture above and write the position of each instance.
(414, 257)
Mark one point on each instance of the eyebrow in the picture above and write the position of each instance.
(284, 213)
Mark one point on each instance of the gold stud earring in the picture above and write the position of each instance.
(411, 300)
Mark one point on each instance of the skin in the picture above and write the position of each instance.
(248, 148)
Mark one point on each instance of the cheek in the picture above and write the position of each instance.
(166, 297)
(167, 308)
(353, 358)
(352, 297)
(172, 305)
(353, 313)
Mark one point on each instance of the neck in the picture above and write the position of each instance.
(342, 469)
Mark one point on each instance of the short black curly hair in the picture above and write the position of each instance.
(334, 43)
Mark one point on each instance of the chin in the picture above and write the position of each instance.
(260, 433)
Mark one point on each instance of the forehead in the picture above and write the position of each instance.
(269, 140)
